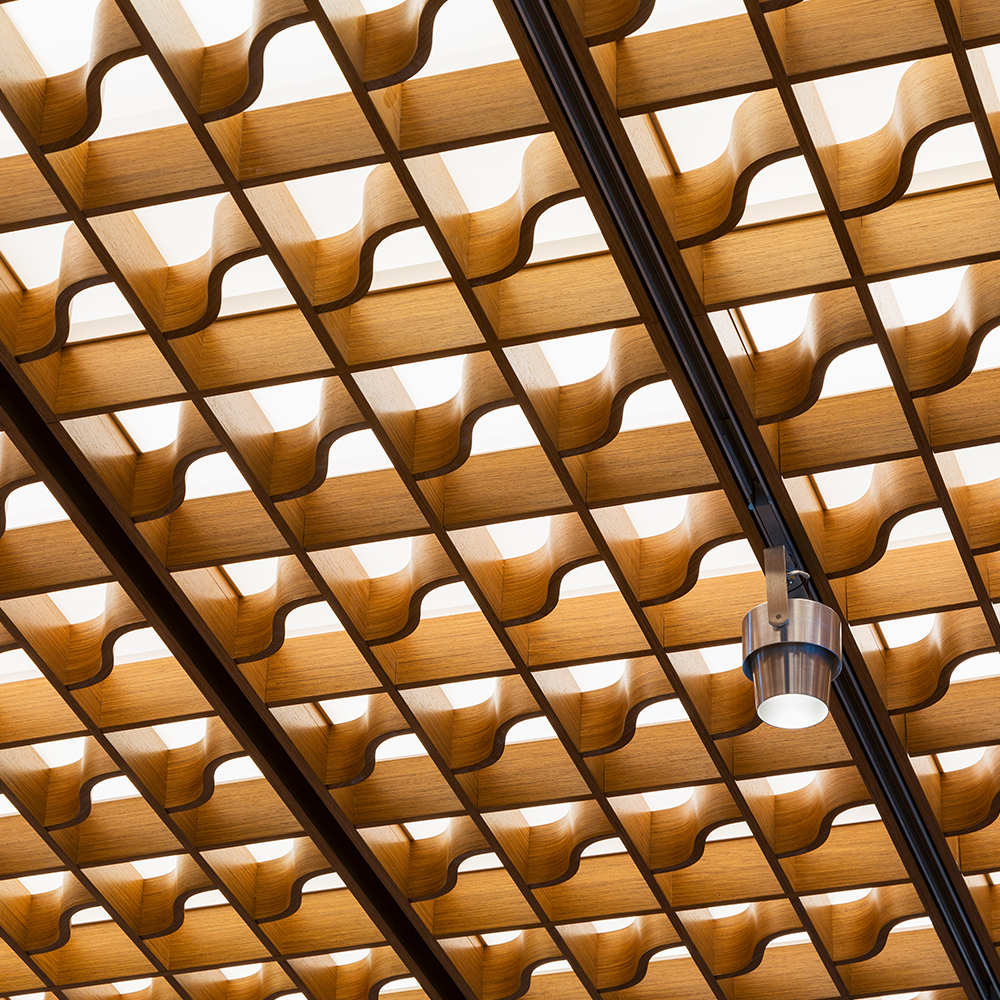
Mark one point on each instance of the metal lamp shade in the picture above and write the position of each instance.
(792, 667)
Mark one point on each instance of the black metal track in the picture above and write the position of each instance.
(28, 429)
(636, 233)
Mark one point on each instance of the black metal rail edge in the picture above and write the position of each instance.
(633, 227)
(21, 418)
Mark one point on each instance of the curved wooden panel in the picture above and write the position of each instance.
(442, 434)
(710, 200)
(40, 922)
(426, 868)
(387, 608)
(530, 588)
(858, 930)
(342, 265)
(42, 323)
(941, 352)
(735, 945)
(590, 412)
(788, 380)
(504, 969)
(71, 110)
(342, 754)
(58, 797)
(669, 563)
(876, 171)
(917, 675)
(550, 853)
(501, 237)
(473, 737)
(398, 42)
(152, 907)
(232, 72)
(856, 535)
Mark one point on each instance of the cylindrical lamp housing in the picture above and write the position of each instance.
(792, 667)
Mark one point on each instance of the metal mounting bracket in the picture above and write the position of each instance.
(776, 578)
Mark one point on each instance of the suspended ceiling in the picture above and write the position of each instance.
(371, 582)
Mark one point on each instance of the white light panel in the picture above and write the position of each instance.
(921, 297)
(213, 475)
(253, 576)
(269, 850)
(35, 254)
(427, 828)
(778, 322)
(341, 710)
(397, 747)
(465, 694)
(56, 51)
(543, 815)
(408, 257)
(175, 735)
(530, 730)
(428, 383)
(219, 20)
(251, 285)
(151, 427)
(959, 760)
(502, 430)
(237, 769)
(576, 359)
(32, 504)
(359, 451)
(843, 486)
(384, 558)
(487, 174)
(597, 676)
(721, 658)
(662, 712)
(299, 66)
(331, 203)
(16, 665)
(112, 789)
(656, 517)
(728, 910)
(783, 784)
(859, 370)
(81, 604)
(518, 538)
(731, 831)
(467, 33)
(653, 405)
(667, 798)
(903, 631)
(976, 667)
(699, 133)
(134, 98)
(858, 104)
(181, 230)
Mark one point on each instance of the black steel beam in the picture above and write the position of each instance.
(42, 449)
(633, 227)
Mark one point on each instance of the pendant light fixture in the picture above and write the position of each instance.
(791, 651)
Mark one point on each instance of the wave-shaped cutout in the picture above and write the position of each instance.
(426, 868)
(387, 608)
(709, 201)
(669, 563)
(590, 412)
(788, 380)
(855, 536)
(876, 170)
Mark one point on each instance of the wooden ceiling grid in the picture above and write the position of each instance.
(494, 310)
